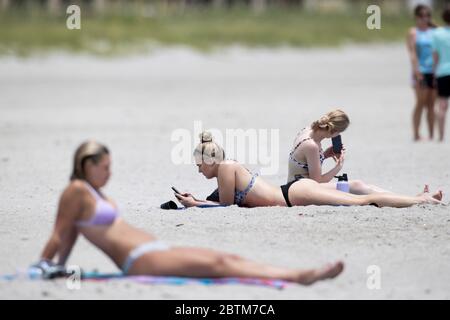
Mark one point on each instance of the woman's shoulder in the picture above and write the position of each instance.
(73, 196)
(229, 165)
(440, 31)
(75, 187)
(308, 144)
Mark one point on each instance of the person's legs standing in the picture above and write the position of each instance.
(418, 109)
(443, 84)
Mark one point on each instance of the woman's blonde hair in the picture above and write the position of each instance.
(207, 150)
(89, 150)
(333, 121)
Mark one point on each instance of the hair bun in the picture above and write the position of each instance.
(325, 119)
(206, 136)
(333, 121)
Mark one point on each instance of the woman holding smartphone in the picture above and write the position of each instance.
(237, 185)
(306, 157)
(419, 47)
(85, 210)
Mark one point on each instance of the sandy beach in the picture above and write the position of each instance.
(50, 104)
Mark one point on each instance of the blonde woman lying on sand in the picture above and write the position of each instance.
(84, 209)
(237, 185)
(306, 157)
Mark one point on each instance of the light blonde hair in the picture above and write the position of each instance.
(89, 150)
(333, 121)
(207, 150)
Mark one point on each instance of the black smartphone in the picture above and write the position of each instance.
(337, 144)
(176, 191)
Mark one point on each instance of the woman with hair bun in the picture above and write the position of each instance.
(306, 157)
(237, 185)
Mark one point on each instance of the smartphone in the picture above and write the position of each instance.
(337, 144)
(176, 191)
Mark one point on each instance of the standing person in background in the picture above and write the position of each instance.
(420, 52)
(441, 57)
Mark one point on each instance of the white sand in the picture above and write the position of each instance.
(49, 105)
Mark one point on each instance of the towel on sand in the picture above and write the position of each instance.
(145, 279)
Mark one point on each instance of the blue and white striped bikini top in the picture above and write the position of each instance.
(239, 196)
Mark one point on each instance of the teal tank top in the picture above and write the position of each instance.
(424, 50)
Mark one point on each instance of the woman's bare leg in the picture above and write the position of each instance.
(199, 262)
(431, 98)
(440, 115)
(418, 109)
(357, 187)
(308, 192)
(360, 188)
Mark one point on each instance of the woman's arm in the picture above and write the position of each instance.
(64, 232)
(411, 46)
(66, 246)
(187, 200)
(327, 177)
(435, 54)
(435, 61)
(314, 166)
(226, 180)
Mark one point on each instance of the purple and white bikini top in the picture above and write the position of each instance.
(104, 213)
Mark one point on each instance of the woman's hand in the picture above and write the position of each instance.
(339, 158)
(186, 199)
(418, 75)
(43, 264)
(328, 152)
(49, 269)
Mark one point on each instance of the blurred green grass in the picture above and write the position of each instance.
(24, 33)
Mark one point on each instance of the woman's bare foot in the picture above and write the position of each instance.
(438, 195)
(426, 189)
(434, 199)
(421, 139)
(329, 271)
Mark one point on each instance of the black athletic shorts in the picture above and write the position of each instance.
(427, 81)
(443, 86)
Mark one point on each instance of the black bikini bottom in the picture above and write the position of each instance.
(285, 191)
